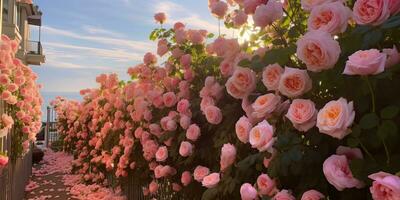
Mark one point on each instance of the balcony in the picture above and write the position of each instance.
(34, 55)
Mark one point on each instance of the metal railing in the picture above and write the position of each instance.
(35, 47)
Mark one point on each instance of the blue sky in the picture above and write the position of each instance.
(83, 38)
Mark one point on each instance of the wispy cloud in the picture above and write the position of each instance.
(94, 30)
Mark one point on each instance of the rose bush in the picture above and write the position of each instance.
(304, 108)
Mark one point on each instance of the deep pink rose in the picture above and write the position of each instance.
(265, 185)
(385, 186)
(200, 172)
(193, 132)
(186, 178)
(162, 154)
(284, 195)
(185, 149)
(160, 17)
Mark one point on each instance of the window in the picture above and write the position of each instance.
(5, 10)
(17, 13)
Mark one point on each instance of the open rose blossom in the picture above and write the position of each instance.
(266, 104)
(367, 62)
(200, 172)
(153, 187)
(335, 118)
(213, 114)
(239, 18)
(186, 178)
(337, 172)
(318, 50)
(284, 195)
(393, 56)
(211, 180)
(3, 161)
(162, 154)
(371, 12)
(330, 17)
(193, 132)
(267, 14)
(394, 6)
(261, 136)
(149, 58)
(294, 82)
(160, 17)
(350, 153)
(308, 5)
(312, 195)
(228, 156)
(185, 149)
(218, 9)
(265, 185)
(241, 83)
(248, 192)
(385, 186)
(242, 128)
(271, 76)
(303, 114)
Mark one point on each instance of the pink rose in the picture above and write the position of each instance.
(308, 5)
(312, 195)
(226, 67)
(185, 149)
(218, 9)
(213, 115)
(271, 76)
(149, 58)
(265, 185)
(393, 56)
(162, 47)
(267, 14)
(335, 118)
(169, 99)
(337, 172)
(394, 6)
(318, 50)
(248, 192)
(200, 172)
(153, 187)
(184, 121)
(303, 114)
(197, 36)
(228, 156)
(284, 195)
(162, 154)
(241, 83)
(211, 180)
(365, 62)
(264, 105)
(371, 12)
(350, 153)
(183, 106)
(193, 132)
(186, 60)
(251, 5)
(385, 186)
(7, 121)
(329, 17)
(294, 82)
(261, 136)
(186, 178)
(160, 17)
(242, 128)
(179, 25)
(3, 161)
(239, 18)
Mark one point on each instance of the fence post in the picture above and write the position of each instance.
(46, 132)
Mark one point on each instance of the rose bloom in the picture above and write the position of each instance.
(184, 121)
(271, 76)
(329, 17)
(308, 5)
(200, 172)
(186, 178)
(3, 161)
(193, 132)
(385, 186)
(318, 50)
(303, 114)
(261, 136)
(284, 195)
(394, 6)
(186, 60)
(267, 14)
(162, 47)
(312, 195)
(350, 153)
(7, 120)
(153, 187)
(218, 9)
(239, 18)
(213, 114)
(335, 118)
(211, 180)
(264, 105)
(226, 67)
(337, 172)
(242, 128)
(294, 82)
(371, 12)
(149, 58)
(251, 5)
(228, 156)
(183, 106)
(365, 62)
(265, 185)
(169, 99)
(160, 17)
(241, 83)
(248, 192)
(185, 149)
(162, 154)
(393, 56)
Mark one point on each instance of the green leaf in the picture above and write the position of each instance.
(244, 63)
(386, 129)
(369, 121)
(357, 168)
(210, 35)
(352, 142)
(280, 56)
(356, 131)
(391, 23)
(210, 194)
(372, 38)
(390, 112)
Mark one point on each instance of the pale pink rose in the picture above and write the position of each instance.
(171, 125)
(193, 132)
(271, 76)
(385, 186)
(303, 114)
(177, 52)
(186, 60)
(265, 105)
(153, 187)
(226, 67)
(186, 178)
(228, 156)
(149, 58)
(4, 79)
(162, 154)
(308, 5)
(266, 14)
(211, 180)
(318, 50)
(7, 121)
(294, 82)
(371, 12)
(179, 25)
(394, 6)
(265, 185)
(206, 102)
(162, 47)
(169, 99)
(262, 136)
(200, 172)
(3, 161)
(239, 18)
(157, 172)
(185, 149)
(335, 118)
(218, 9)
(242, 128)
(213, 114)
(5, 95)
(180, 36)
(393, 56)
(329, 17)
(365, 62)
(184, 121)
(251, 5)
(248, 192)
(183, 106)
(160, 17)
(312, 195)
(350, 153)
(337, 172)
(241, 83)
(284, 195)
(197, 36)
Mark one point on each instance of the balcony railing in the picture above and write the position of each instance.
(35, 47)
